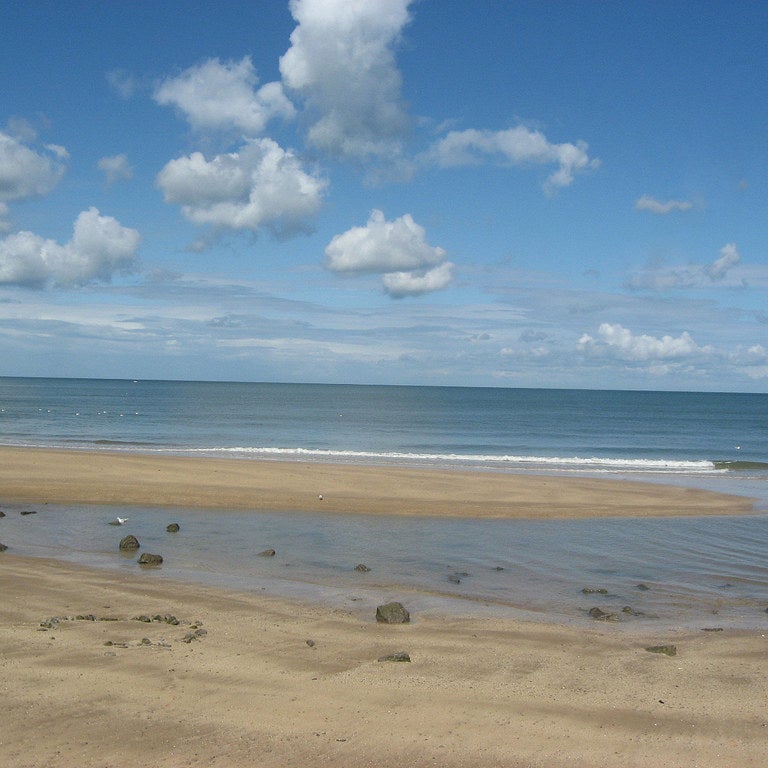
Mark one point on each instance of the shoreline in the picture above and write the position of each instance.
(113, 668)
(40, 475)
(255, 680)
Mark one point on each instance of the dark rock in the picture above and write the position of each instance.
(3, 547)
(146, 619)
(129, 543)
(594, 591)
(362, 568)
(149, 559)
(85, 617)
(667, 650)
(392, 613)
(601, 615)
(499, 568)
(172, 528)
(400, 656)
(28, 512)
(628, 609)
(643, 587)
(267, 553)
(2, 514)
(711, 629)
(311, 643)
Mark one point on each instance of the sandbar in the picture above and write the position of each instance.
(111, 478)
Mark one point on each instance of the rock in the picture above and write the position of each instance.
(267, 553)
(172, 528)
(594, 591)
(311, 643)
(667, 650)
(392, 613)
(399, 656)
(643, 587)
(3, 547)
(28, 512)
(129, 543)
(454, 578)
(601, 615)
(2, 514)
(150, 559)
(628, 609)
(362, 568)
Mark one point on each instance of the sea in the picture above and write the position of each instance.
(707, 572)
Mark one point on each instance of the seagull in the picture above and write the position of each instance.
(119, 521)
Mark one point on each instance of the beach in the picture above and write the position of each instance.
(103, 669)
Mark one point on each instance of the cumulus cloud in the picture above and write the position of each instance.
(341, 62)
(648, 203)
(261, 186)
(397, 249)
(691, 275)
(516, 146)
(402, 284)
(115, 168)
(25, 172)
(218, 95)
(616, 341)
(99, 248)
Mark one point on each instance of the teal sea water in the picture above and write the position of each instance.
(701, 571)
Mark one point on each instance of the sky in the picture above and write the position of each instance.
(432, 192)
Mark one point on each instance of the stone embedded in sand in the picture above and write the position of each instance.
(2, 514)
(667, 650)
(362, 568)
(594, 591)
(3, 547)
(172, 528)
(392, 613)
(601, 615)
(267, 553)
(150, 559)
(399, 656)
(129, 543)
(28, 512)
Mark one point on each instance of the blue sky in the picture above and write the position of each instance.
(546, 194)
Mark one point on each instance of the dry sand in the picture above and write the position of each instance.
(250, 690)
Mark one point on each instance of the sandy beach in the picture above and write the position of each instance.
(103, 669)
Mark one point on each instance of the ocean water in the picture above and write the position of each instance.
(701, 571)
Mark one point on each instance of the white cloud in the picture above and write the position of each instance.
(25, 172)
(99, 248)
(402, 284)
(691, 275)
(115, 168)
(619, 342)
(648, 203)
(518, 146)
(219, 95)
(397, 249)
(341, 62)
(261, 186)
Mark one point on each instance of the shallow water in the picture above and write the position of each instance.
(700, 572)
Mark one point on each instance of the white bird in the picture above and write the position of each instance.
(119, 521)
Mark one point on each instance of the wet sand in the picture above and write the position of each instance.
(244, 679)
(90, 477)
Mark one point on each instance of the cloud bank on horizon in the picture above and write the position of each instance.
(373, 210)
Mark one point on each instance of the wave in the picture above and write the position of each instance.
(527, 462)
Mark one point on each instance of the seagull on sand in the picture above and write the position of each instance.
(119, 521)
